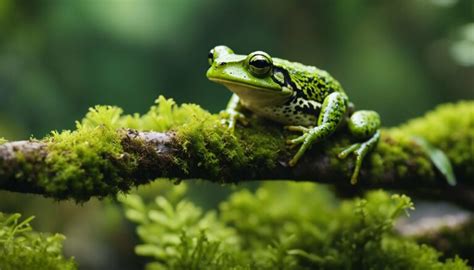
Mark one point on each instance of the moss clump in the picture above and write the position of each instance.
(280, 226)
(397, 156)
(455, 136)
(164, 115)
(88, 160)
(21, 248)
(2, 140)
(210, 148)
(225, 155)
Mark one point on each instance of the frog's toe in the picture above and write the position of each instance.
(299, 154)
(360, 154)
(298, 128)
(293, 162)
(346, 152)
(231, 117)
(359, 150)
(240, 117)
(297, 140)
(230, 125)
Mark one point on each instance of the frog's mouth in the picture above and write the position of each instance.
(255, 95)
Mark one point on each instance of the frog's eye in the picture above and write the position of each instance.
(260, 64)
(210, 56)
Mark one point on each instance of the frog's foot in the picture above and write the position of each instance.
(309, 136)
(295, 142)
(231, 117)
(360, 150)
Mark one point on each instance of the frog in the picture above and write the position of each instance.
(303, 98)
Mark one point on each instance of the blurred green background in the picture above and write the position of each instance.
(57, 58)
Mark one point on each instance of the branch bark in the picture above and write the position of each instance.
(205, 151)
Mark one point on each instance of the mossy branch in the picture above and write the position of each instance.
(110, 152)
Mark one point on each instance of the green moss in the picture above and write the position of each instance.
(163, 116)
(22, 248)
(455, 136)
(280, 226)
(2, 140)
(398, 154)
(221, 153)
(87, 161)
(210, 148)
(260, 143)
(90, 160)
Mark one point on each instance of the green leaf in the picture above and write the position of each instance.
(439, 159)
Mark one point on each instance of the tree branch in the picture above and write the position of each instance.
(107, 154)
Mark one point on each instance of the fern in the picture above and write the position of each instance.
(280, 226)
(22, 248)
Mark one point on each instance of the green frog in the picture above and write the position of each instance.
(303, 98)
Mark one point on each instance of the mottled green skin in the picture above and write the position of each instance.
(307, 98)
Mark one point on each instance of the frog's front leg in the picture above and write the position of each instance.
(332, 113)
(232, 112)
(363, 125)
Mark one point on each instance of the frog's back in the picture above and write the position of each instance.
(309, 81)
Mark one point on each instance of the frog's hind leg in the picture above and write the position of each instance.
(363, 125)
(332, 113)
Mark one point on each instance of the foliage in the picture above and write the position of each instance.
(280, 226)
(22, 248)
(455, 137)
(2, 140)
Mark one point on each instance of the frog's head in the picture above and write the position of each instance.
(251, 77)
